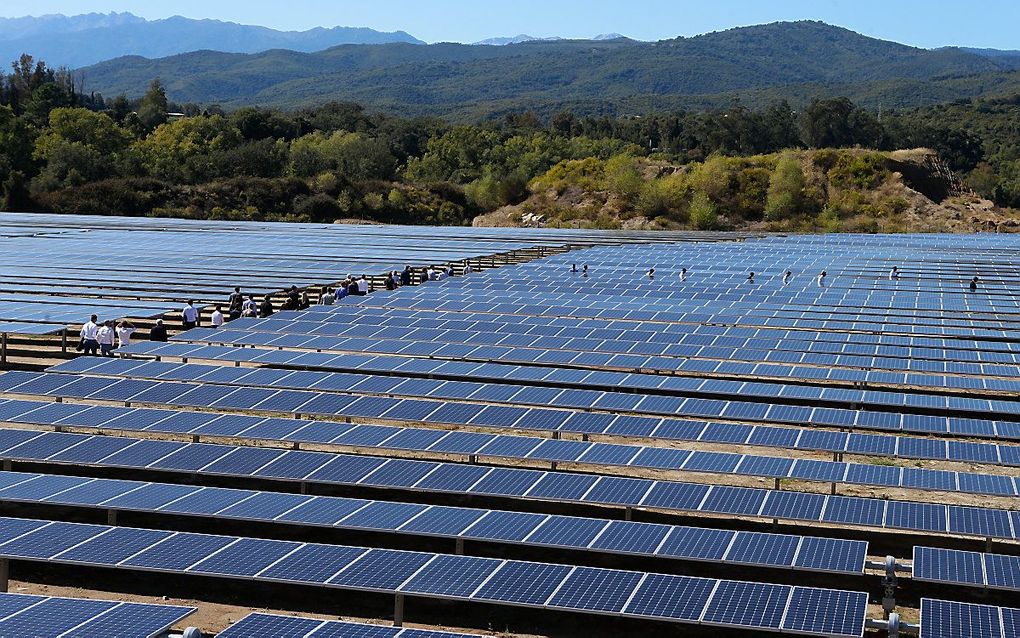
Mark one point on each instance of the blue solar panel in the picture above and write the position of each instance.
(268, 625)
(508, 526)
(747, 605)
(381, 569)
(635, 538)
(313, 564)
(763, 549)
(830, 554)
(452, 576)
(525, 583)
(49, 540)
(671, 597)
(180, 551)
(114, 546)
(826, 612)
(943, 619)
(697, 543)
(53, 617)
(246, 557)
(1002, 572)
(950, 566)
(589, 588)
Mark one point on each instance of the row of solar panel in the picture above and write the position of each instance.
(31, 329)
(545, 418)
(30, 615)
(666, 355)
(748, 318)
(839, 396)
(877, 345)
(767, 367)
(655, 394)
(821, 309)
(277, 626)
(806, 553)
(971, 569)
(947, 619)
(550, 450)
(684, 599)
(884, 421)
(606, 329)
(386, 437)
(517, 483)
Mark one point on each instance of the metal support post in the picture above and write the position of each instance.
(398, 611)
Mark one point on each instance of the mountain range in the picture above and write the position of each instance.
(755, 65)
(522, 38)
(77, 41)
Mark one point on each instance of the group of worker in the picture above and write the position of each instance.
(102, 338)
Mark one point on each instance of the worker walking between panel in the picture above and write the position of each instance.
(190, 315)
(894, 274)
(750, 278)
(89, 336)
(217, 318)
(974, 284)
(250, 307)
(821, 279)
(106, 336)
(125, 329)
(651, 273)
(683, 274)
(235, 304)
(266, 308)
(787, 276)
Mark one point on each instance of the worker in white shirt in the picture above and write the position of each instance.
(250, 307)
(683, 274)
(124, 331)
(894, 273)
(750, 278)
(821, 279)
(363, 285)
(651, 273)
(105, 336)
(190, 316)
(89, 332)
(217, 318)
(786, 277)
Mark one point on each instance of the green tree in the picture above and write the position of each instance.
(79, 146)
(623, 178)
(183, 150)
(703, 214)
(786, 189)
(152, 111)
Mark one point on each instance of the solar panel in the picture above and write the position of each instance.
(944, 619)
(589, 588)
(826, 612)
(950, 566)
(745, 604)
(524, 583)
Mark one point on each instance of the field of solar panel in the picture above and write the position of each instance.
(609, 433)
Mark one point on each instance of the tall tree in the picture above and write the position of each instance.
(153, 110)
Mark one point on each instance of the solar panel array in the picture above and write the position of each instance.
(29, 615)
(278, 626)
(807, 553)
(521, 484)
(591, 382)
(683, 599)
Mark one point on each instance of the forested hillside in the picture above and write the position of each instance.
(756, 64)
(828, 166)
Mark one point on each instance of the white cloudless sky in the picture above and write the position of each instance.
(924, 23)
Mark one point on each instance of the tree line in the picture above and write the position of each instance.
(64, 150)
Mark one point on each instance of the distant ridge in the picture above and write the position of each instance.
(88, 39)
(522, 38)
(755, 65)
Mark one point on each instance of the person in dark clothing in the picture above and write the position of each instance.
(405, 277)
(305, 303)
(573, 267)
(235, 304)
(352, 288)
(750, 278)
(389, 283)
(974, 284)
(293, 299)
(158, 332)
(266, 309)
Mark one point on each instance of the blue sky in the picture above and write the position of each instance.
(925, 23)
